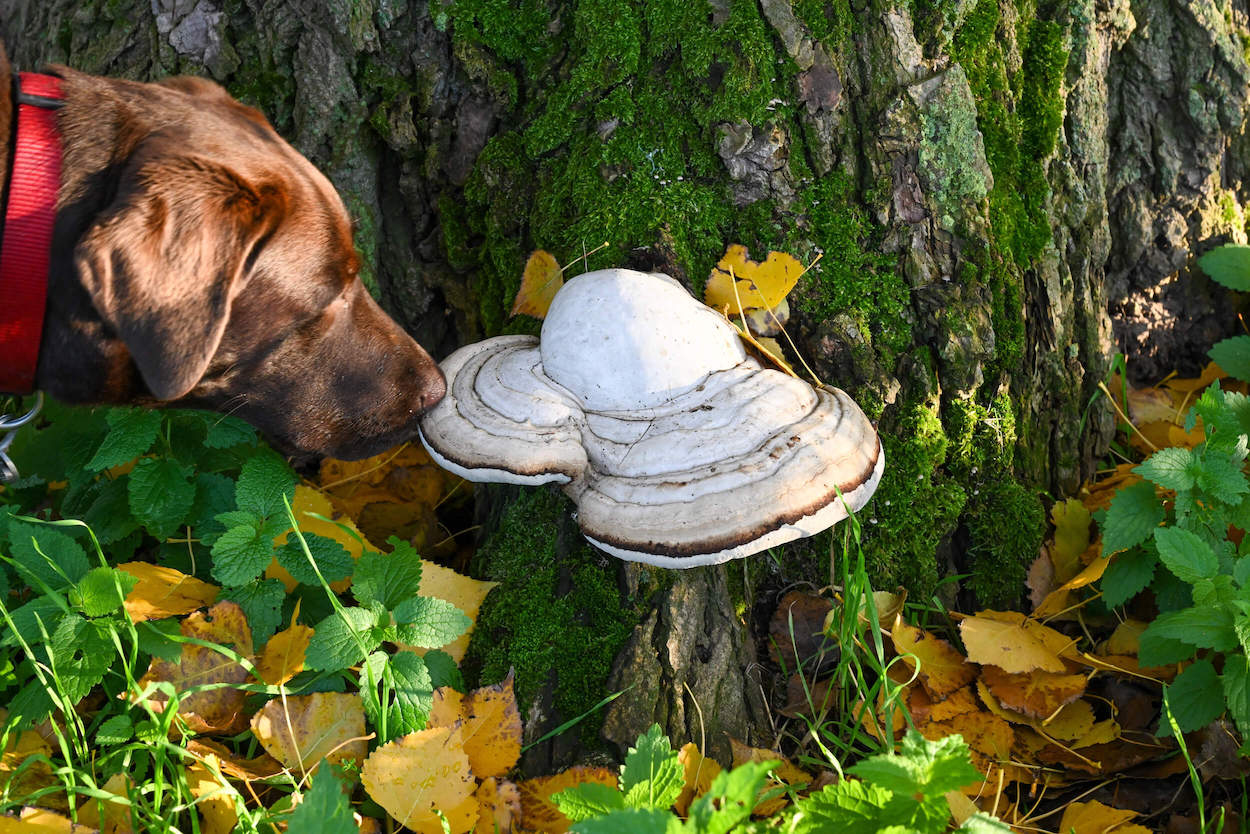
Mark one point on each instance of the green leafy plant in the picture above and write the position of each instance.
(1230, 265)
(895, 792)
(1180, 549)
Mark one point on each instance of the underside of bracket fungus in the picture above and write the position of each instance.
(677, 447)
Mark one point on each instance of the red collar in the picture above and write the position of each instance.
(33, 183)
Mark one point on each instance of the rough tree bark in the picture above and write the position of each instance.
(1006, 192)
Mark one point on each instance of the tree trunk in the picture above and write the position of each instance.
(1005, 193)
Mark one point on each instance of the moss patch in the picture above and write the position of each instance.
(559, 618)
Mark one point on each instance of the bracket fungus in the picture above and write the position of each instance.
(678, 448)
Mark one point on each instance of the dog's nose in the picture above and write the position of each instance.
(433, 387)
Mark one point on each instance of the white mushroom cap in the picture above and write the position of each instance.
(678, 449)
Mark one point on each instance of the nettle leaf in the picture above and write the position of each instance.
(1154, 650)
(263, 481)
(223, 431)
(1233, 355)
(109, 515)
(1173, 468)
(1220, 476)
(156, 638)
(1171, 594)
(849, 806)
(387, 578)
(325, 808)
(332, 560)
(651, 776)
(409, 690)
(980, 823)
(1205, 628)
(730, 798)
(443, 670)
(132, 431)
(1185, 554)
(161, 495)
(428, 622)
(1195, 697)
(1241, 570)
(1236, 684)
(33, 622)
(45, 557)
(1128, 575)
(1228, 265)
(261, 601)
(214, 496)
(1134, 513)
(102, 591)
(337, 640)
(588, 800)
(81, 653)
(928, 768)
(240, 555)
(633, 820)
(117, 730)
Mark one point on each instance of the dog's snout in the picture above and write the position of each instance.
(433, 388)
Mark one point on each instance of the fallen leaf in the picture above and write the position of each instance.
(699, 772)
(416, 775)
(1099, 495)
(218, 709)
(499, 806)
(1073, 721)
(760, 284)
(1125, 639)
(788, 772)
(1147, 405)
(1093, 818)
(539, 283)
(164, 592)
(20, 746)
(1060, 599)
(461, 591)
(1014, 643)
(41, 821)
(109, 816)
(958, 702)
(214, 796)
(234, 765)
(941, 668)
(1071, 521)
(283, 656)
(539, 813)
(489, 721)
(1102, 732)
(301, 730)
(797, 632)
(1036, 694)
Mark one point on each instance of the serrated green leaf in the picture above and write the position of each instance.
(1236, 684)
(45, 557)
(1205, 628)
(409, 693)
(109, 515)
(263, 481)
(1241, 571)
(156, 638)
(980, 823)
(161, 495)
(1195, 697)
(214, 495)
(261, 601)
(132, 431)
(428, 622)
(1233, 355)
(928, 768)
(223, 431)
(1154, 650)
(34, 622)
(117, 730)
(332, 560)
(1228, 265)
(849, 807)
(630, 821)
(443, 670)
(240, 555)
(102, 591)
(1128, 575)
(1185, 554)
(588, 800)
(334, 646)
(1220, 476)
(325, 808)
(81, 652)
(387, 578)
(1134, 513)
(1174, 467)
(651, 776)
(730, 798)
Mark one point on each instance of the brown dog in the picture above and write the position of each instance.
(199, 260)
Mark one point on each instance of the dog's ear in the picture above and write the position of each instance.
(164, 261)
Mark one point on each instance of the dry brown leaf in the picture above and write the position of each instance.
(539, 813)
(1099, 495)
(214, 796)
(164, 592)
(499, 806)
(461, 591)
(1014, 643)
(1093, 818)
(1036, 694)
(699, 773)
(1073, 721)
(787, 772)
(941, 668)
(301, 730)
(489, 721)
(1041, 577)
(1103, 732)
(1061, 598)
(1147, 405)
(760, 284)
(796, 630)
(420, 773)
(539, 283)
(216, 710)
(233, 765)
(283, 656)
(956, 703)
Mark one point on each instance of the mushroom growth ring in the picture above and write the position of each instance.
(678, 448)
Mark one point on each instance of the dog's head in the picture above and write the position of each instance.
(222, 267)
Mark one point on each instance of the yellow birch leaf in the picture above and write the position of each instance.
(1093, 818)
(699, 773)
(1036, 694)
(1072, 722)
(941, 668)
(499, 806)
(420, 773)
(1060, 599)
(489, 721)
(1148, 405)
(216, 710)
(164, 592)
(301, 730)
(961, 807)
(16, 780)
(1126, 638)
(1071, 521)
(956, 703)
(109, 816)
(539, 283)
(1103, 732)
(1014, 643)
(761, 284)
(234, 765)
(461, 591)
(1209, 374)
(214, 796)
(283, 656)
(41, 821)
(539, 813)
